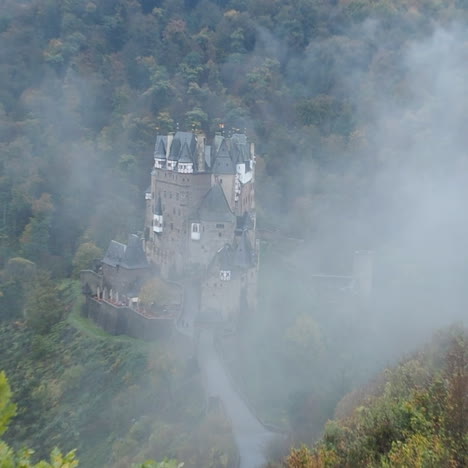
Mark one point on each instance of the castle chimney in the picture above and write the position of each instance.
(201, 142)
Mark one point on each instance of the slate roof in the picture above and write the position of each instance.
(223, 260)
(115, 253)
(223, 163)
(214, 206)
(134, 254)
(225, 257)
(229, 152)
(185, 155)
(240, 152)
(243, 253)
(183, 143)
(221, 156)
(129, 256)
(160, 147)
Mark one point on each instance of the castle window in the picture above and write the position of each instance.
(219, 234)
(224, 275)
(220, 226)
(195, 231)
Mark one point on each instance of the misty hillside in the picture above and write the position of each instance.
(358, 113)
(414, 414)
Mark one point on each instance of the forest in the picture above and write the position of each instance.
(357, 112)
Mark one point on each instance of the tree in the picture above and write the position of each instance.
(36, 234)
(43, 307)
(22, 459)
(84, 257)
(300, 458)
(7, 408)
(19, 268)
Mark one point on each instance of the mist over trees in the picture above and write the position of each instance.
(358, 114)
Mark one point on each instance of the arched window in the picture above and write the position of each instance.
(195, 231)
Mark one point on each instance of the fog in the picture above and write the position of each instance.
(399, 187)
(387, 173)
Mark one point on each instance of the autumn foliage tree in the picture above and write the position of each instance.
(418, 418)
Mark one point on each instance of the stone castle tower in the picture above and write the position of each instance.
(200, 219)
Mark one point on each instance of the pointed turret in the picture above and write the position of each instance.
(243, 252)
(223, 163)
(185, 163)
(225, 262)
(160, 152)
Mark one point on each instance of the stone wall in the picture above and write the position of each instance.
(122, 279)
(220, 300)
(213, 236)
(180, 194)
(92, 279)
(125, 321)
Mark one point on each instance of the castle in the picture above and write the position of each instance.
(200, 233)
(200, 219)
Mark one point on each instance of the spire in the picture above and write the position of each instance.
(223, 163)
(243, 253)
(160, 152)
(160, 147)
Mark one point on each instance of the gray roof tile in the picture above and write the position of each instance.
(214, 206)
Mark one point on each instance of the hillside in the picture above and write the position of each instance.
(116, 400)
(358, 114)
(414, 414)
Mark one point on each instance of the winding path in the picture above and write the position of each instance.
(251, 436)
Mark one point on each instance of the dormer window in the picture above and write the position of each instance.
(225, 275)
(185, 168)
(171, 165)
(195, 231)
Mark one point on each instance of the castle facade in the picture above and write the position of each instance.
(200, 219)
